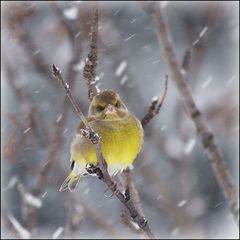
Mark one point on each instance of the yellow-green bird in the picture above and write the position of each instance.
(121, 137)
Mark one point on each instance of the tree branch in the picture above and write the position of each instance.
(101, 170)
(155, 106)
(207, 138)
(89, 71)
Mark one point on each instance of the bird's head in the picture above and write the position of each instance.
(107, 105)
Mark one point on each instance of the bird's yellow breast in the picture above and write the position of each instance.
(121, 140)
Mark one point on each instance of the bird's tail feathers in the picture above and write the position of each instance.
(70, 182)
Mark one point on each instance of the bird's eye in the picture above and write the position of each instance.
(118, 104)
(72, 164)
(99, 108)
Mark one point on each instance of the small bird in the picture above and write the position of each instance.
(121, 138)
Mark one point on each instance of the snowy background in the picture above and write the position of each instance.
(178, 190)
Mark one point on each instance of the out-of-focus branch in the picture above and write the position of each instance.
(155, 106)
(58, 128)
(56, 140)
(17, 14)
(76, 205)
(26, 107)
(89, 71)
(204, 132)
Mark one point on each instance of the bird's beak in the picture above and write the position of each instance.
(110, 109)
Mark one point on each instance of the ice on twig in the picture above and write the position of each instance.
(122, 66)
(24, 233)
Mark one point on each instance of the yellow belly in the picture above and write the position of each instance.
(121, 141)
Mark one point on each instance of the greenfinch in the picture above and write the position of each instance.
(121, 138)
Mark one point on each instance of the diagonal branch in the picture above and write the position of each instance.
(101, 169)
(207, 138)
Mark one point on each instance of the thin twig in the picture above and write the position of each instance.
(56, 140)
(155, 106)
(89, 71)
(101, 169)
(207, 138)
(57, 74)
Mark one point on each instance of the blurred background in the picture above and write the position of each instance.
(178, 190)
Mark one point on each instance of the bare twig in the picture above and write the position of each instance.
(155, 106)
(89, 71)
(101, 169)
(57, 74)
(204, 132)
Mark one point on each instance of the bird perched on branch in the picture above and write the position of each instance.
(121, 137)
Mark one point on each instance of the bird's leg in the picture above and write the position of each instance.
(92, 169)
